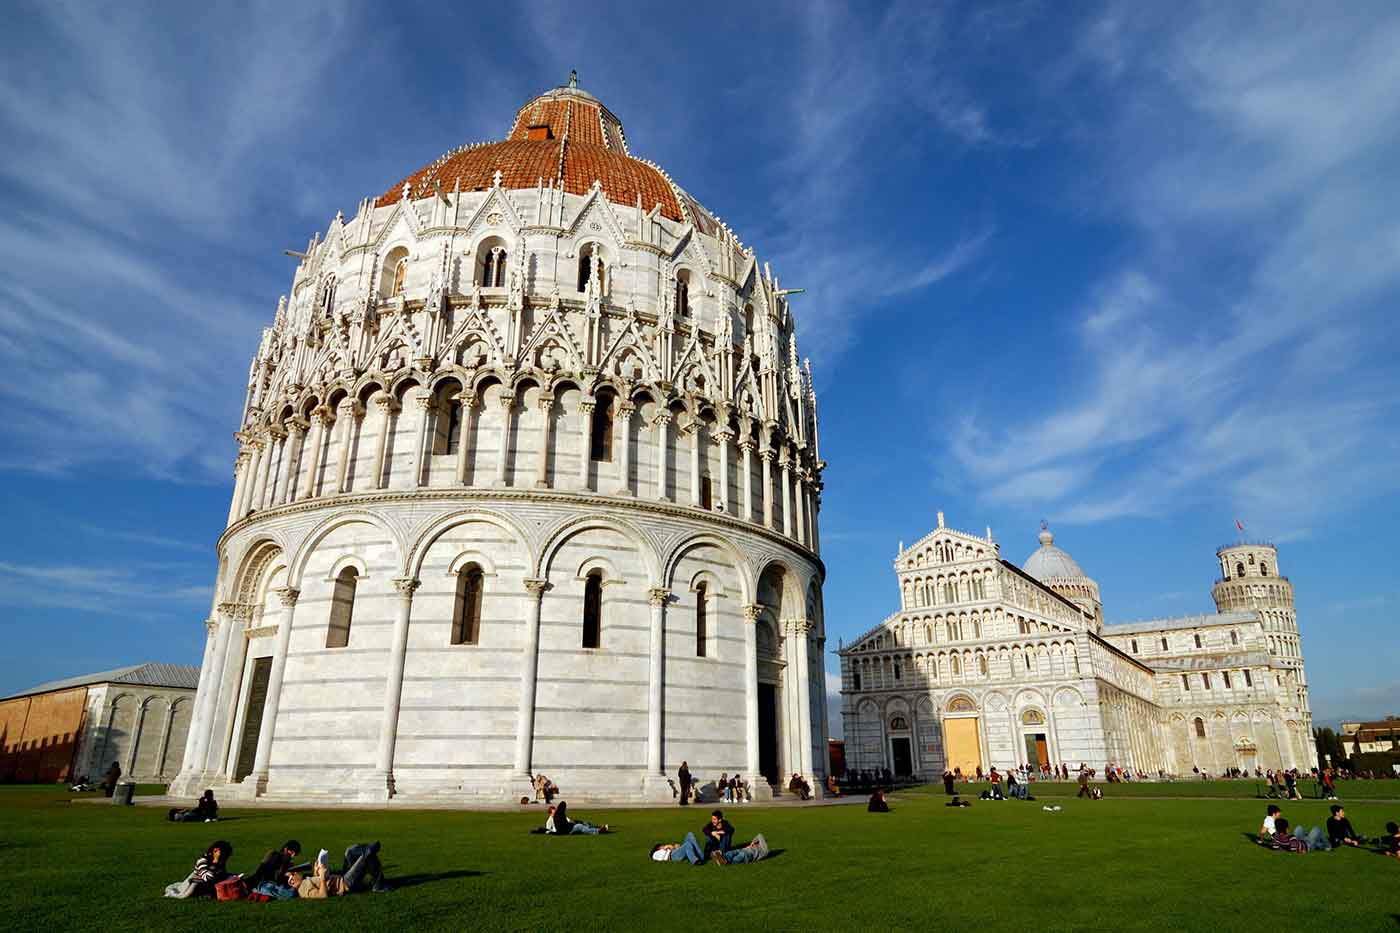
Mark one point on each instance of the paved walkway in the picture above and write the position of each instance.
(411, 803)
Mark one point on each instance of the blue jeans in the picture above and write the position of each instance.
(749, 853)
(688, 851)
(587, 829)
(361, 865)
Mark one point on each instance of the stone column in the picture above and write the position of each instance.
(240, 476)
(821, 708)
(624, 425)
(297, 427)
(799, 493)
(258, 777)
(816, 503)
(324, 419)
(129, 772)
(656, 677)
(203, 727)
(254, 469)
(393, 687)
(724, 437)
(525, 717)
(662, 460)
(746, 448)
(467, 401)
(767, 456)
(201, 695)
(352, 414)
(507, 402)
(273, 494)
(751, 614)
(786, 463)
(422, 456)
(694, 433)
(586, 408)
(802, 631)
(162, 749)
(269, 443)
(387, 406)
(542, 464)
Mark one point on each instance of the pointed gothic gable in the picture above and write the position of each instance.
(403, 221)
(687, 250)
(691, 363)
(630, 343)
(476, 341)
(497, 202)
(596, 209)
(552, 339)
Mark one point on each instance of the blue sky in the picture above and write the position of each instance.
(1134, 272)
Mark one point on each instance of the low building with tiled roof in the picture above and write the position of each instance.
(137, 716)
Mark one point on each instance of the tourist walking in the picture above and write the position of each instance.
(947, 782)
(1084, 784)
(684, 776)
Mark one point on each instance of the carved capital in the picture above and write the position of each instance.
(324, 414)
(546, 401)
(751, 613)
(587, 406)
(277, 432)
(423, 402)
(658, 596)
(506, 400)
(406, 586)
(663, 418)
(747, 443)
(467, 400)
(767, 455)
(387, 403)
(625, 409)
(298, 425)
(211, 625)
(352, 407)
(288, 596)
(536, 588)
(798, 627)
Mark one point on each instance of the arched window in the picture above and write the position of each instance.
(899, 724)
(495, 263)
(1264, 568)
(1251, 560)
(1205, 680)
(585, 269)
(601, 441)
(982, 665)
(683, 293)
(748, 322)
(928, 633)
(342, 608)
(1198, 640)
(1226, 675)
(1248, 681)
(328, 295)
(1164, 644)
(1234, 637)
(956, 664)
(701, 623)
(1200, 728)
(466, 614)
(1186, 683)
(857, 678)
(400, 277)
(1135, 646)
(593, 609)
(1239, 569)
(454, 424)
(898, 674)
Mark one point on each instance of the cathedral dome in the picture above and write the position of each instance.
(1050, 562)
(564, 137)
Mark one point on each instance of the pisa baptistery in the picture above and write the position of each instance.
(527, 482)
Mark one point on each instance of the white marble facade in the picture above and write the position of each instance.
(528, 481)
(988, 664)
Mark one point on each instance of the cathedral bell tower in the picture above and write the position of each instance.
(1250, 581)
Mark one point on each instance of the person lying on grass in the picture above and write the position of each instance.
(688, 850)
(361, 871)
(559, 824)
(205, 810)
(1301, 841)
(957, 802)
(1339, 831)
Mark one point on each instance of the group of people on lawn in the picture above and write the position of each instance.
(279, 877)
(1277, 833)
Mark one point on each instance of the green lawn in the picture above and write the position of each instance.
(1116, 864)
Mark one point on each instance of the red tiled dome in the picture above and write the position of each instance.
(564, 135)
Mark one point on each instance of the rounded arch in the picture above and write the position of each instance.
(255, 564)
(348, 560)
(443, 524)
(297, 565)
(792, 587)
(570, 527)
(960, 702)
(672, 560)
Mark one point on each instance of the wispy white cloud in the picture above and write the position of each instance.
(105, 591)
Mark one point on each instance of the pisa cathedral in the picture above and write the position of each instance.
(987, 664)
(528, 481)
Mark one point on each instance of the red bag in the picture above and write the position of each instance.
(259, 898)
(231, 889)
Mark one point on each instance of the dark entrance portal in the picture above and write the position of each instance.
(252, 723)
(903, 757)
(768, 732)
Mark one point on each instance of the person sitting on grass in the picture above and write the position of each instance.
(559, 824)
(877, 802)
(755, 850)
(958, 802)
(1390, 843)
(272, 871)
(719, 835)
(211, 868)
(205, 810)
(1271, 815)
(1339, 831)
(362, 870)
(687, 850)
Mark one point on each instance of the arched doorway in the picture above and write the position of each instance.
(770, 673)
(962, 738)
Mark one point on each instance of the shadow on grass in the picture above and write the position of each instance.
(409, 881)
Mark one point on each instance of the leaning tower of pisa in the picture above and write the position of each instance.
(1250, 581)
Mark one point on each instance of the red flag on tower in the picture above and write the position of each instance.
(1239, 525)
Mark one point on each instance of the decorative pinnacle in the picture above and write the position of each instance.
(573, 77)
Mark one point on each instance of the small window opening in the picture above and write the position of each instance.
(466, 617)
(593, 609)
(342, 608)
(601, 442)
(701, 622)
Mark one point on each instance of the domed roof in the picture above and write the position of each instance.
(1049, 562)
(564, 136)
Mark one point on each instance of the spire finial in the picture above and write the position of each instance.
(573, 77)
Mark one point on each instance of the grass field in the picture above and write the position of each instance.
(1117, 864)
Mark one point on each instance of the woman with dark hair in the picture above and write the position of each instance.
(211, 868)
(559, 823)
(205, 810)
